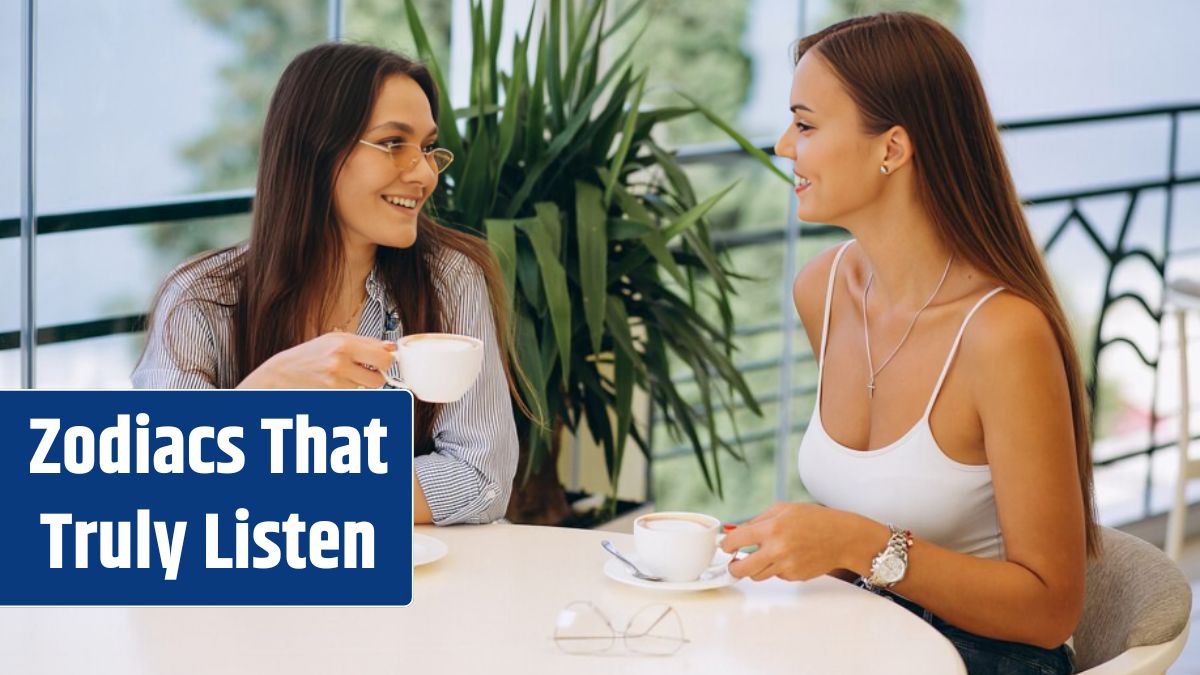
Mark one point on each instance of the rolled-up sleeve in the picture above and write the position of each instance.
(468, 477)
(181, 350)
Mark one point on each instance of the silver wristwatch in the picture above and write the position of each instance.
(889, 567)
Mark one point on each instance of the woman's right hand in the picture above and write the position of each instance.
(331, 361)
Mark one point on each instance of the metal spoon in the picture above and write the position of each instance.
(608, 546)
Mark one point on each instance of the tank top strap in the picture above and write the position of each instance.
(837, 260)
(937, 389)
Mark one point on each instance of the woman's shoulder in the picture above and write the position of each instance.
(1007, 330)
(812, 282)
(452, 260)
(1007, 318)
(207, 277)
(455, 269)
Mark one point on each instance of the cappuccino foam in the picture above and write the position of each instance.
(673, 525)
(439, 345)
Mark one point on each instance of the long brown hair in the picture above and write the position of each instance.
(294, 258)
(904, 69)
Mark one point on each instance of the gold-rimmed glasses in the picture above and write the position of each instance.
(406, 156)
(654, 630)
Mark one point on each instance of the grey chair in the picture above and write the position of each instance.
(1136, 610)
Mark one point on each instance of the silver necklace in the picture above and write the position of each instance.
(867, 332)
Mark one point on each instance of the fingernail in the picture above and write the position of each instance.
(729, 527)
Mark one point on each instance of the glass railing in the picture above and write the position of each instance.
(1157, 245)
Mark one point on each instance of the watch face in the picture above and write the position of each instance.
(891, 569)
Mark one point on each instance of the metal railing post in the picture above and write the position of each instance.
(335, 20)
(28, 196)
(783, 430)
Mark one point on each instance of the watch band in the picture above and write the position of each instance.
(896, 548)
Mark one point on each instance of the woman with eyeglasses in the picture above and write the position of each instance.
(948, 452)
(340, 263)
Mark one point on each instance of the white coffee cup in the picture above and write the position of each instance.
(676, 545)
(437, 367)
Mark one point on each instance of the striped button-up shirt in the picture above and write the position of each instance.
(468, 476)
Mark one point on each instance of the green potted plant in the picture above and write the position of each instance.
(602, 241)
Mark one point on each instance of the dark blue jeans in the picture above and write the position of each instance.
(985, 656)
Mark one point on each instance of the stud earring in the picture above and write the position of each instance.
(883, 168)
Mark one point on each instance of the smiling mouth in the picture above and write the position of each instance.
(800, 182)
(403, 202)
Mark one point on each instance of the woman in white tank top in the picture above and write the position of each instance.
(948, 451)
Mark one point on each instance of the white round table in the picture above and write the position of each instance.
(489, 606)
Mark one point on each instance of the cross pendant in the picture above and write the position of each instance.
(871, 391)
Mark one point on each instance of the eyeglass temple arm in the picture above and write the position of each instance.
(651, 627)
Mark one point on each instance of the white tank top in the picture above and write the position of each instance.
(910, 483)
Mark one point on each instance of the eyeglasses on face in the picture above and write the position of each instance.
(654, 630)
(406, 156)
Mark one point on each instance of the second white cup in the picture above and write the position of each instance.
(676, 545)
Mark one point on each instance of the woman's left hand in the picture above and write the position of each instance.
(795, 541)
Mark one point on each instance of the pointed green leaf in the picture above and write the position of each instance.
(711, 358)
(618, 326)
(494, 39)
(529, 278)
(570, 20)
(475, 111)
(578, 35)
(563, 138)
(623, 377)
(542, 236)
(709, 260)
(685, 421)
(627, 228)
(550, 218)
(675, 175)
(475, 181)
(704, 385)
(614, 169)
(627, 201)
(554, 87)
(651, 118)
(478, 55)
(512, 99)
(595, 407)
(527, 350)
(741, 140)
(623, 19)
(596, 138)
(536, 129)
(689, 217)
(587, 75)
(513, 96)
(502, 238)
(447, 130)
(534, 391)
(593, 257)
(656, 243)
(549, 354)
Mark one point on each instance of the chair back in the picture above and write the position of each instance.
(1135, 596)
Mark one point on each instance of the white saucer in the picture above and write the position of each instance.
(716, 576)
(426, 549)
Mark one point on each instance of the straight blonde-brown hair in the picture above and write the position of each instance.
(904, 69)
